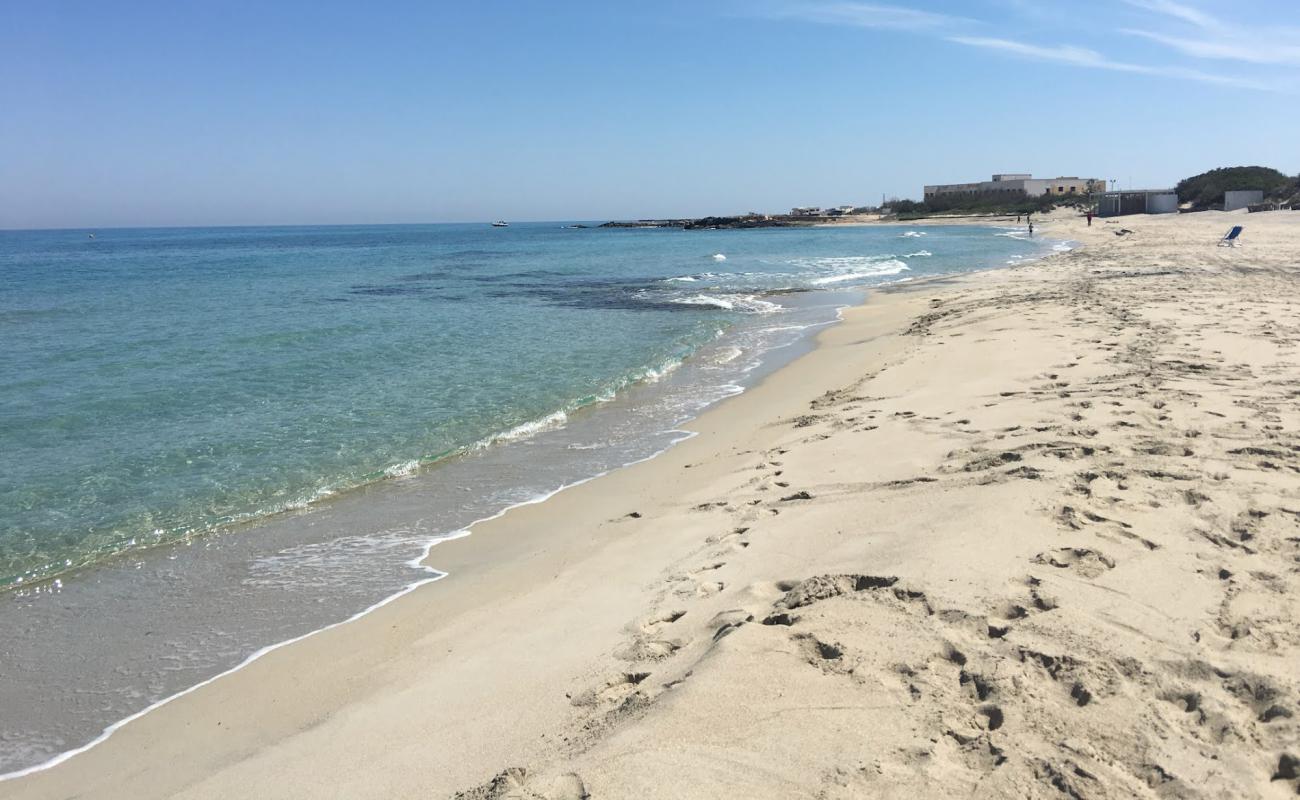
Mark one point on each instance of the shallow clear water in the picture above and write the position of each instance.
(159, 386)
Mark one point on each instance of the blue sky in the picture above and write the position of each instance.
(192, 113)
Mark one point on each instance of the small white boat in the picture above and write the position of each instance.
(501, 224)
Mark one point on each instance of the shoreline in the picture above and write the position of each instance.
(423, 561)
(347, 503)
(766, 361)
(366, 675)
(316, 496)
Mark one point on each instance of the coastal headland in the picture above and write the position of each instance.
(1031, 532)
(803, 220)
(712, 223)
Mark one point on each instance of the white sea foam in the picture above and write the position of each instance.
(532, 427)
(747, 303)
(842, 269)
(919, 254)
(729, 355)
(111, 729)
(402, 470)
(706, 300)
(879, 269)
(719, 257)
(913, 234)
(656, 374)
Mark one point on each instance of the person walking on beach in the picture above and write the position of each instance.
(1090, 218)
(1030, 219)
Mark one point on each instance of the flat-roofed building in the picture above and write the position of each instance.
(1018, 183)
(1245, 198)
(1137, 201)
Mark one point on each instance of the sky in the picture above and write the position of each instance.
(200, 113)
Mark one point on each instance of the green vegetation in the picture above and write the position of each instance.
(989, 203)
(1206, 190)
(1289, 193)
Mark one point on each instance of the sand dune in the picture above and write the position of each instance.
(1027, 533)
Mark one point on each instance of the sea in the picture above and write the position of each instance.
(214, 441)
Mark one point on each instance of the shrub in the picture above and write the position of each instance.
(1207, 189)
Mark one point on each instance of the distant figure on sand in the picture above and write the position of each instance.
(1090, 218)
(1030, 219)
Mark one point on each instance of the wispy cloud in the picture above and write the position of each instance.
(1061, 54)
(1257, 49)
(1083, 57)
(863, 15)
(1211, 40)
(1180, 11)
(1219, 40)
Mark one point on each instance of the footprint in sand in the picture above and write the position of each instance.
(516, 782)
(689, 587)
(649, 642)
(733, 541)
(1080, 560)
(655, 622)
(613, 691)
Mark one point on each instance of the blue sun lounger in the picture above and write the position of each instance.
(1230, 238)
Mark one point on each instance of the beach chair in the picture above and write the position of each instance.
(1231, 237)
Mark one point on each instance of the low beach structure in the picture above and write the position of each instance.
(1235, 201)
(1137, 201)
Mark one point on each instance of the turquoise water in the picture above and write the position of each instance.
(158, 383)
(392, 385)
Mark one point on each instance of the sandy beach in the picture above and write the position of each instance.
(1031, 532)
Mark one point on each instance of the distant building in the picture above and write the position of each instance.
(1242, 199)
(1019, 183)
(1137, 201)
(840, 211)
(806, 211)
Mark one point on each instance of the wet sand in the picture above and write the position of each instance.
(1029, 532)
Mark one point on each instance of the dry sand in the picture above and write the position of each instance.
(1029, 533)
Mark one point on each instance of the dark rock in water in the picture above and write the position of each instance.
(715, 223)
(647, 223)
(707, 223)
